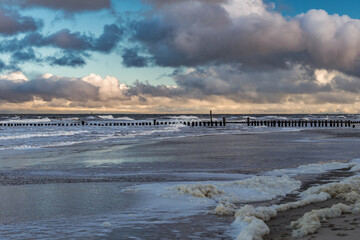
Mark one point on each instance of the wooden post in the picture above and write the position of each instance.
(248, 121)
(154, 122)
(224, 121)
(211, 119)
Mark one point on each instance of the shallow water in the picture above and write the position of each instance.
(90, 182)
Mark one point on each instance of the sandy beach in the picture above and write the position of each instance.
(342, 227)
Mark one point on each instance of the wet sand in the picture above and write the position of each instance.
(345, 227)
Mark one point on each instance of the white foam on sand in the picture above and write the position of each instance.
(250, 220)
(348, 190)
(254, 189)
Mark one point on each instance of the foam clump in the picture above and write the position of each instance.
(201, 190)
(348, 190)
(262, 213)
(355, 168)
(311, 221)
(256, 229)
(224, 209)
(335, 189)
(313, 198)
(278, 184)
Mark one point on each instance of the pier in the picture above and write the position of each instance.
(296, 123)
(303, 123)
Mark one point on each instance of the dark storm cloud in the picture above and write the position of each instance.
(271, 86)
(65, 5)
(195, 33)
(109, 38)
(131, 58)
(12, 23)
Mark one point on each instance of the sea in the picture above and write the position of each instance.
(170, 181)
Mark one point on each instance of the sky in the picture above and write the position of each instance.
(179, 56)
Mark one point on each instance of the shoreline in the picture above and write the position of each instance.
(333, 228)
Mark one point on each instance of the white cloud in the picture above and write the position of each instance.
(14, 76)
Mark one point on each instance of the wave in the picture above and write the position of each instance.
(55, 144)
(111, 117)
(46, 134)
(71, 119)
(16, 120)
(183, 117)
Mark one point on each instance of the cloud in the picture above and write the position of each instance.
(75, 46)
(23, 56)
(67, 40)
(2, 65)
(131, 58)
(248, 32)
(70, 59)
(108, 39)
(64, 5)
(64, 39)
(46, 89)
(12, 23)
(225, 88)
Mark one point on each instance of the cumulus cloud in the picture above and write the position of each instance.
(220, 86)
(23, 90)
(12, 23)
(249, 32)
(65, 5)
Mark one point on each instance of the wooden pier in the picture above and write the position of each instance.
(132, 123)
(250, 123)
(303, 123)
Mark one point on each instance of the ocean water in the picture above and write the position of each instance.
(155, 182)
